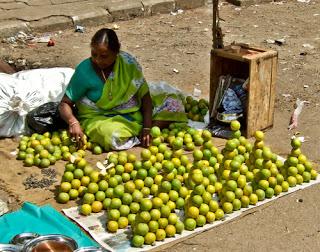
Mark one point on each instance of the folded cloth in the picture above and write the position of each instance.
(41, 220)
(231, 103)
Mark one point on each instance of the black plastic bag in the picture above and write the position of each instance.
(45, 118)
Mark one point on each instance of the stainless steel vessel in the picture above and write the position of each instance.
(50, 243)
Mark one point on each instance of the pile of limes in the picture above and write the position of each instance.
(250, 173)
(297, 168)
(196, 110)
(205, 184)
(155, 221)
(43, 150)
(200, 207)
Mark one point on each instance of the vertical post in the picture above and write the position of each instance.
(214, 23)
(215, 45)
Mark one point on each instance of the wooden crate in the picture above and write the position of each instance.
(260, 66)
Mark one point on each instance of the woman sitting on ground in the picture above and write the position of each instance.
(112, 98)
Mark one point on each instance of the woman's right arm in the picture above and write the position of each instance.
(66, 113)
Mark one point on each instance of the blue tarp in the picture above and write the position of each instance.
(41, 220)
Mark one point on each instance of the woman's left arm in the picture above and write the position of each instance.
(147, 119)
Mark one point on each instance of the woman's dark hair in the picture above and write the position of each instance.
(108, 37)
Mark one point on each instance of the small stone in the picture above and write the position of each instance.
(280, 41)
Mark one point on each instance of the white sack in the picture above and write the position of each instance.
(26, 90)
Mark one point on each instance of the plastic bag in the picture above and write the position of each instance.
(200, 125)
(45, 118)
(26, 90)
(294, 117)
(50, 82)
(16, 100)
(220, 131)
(165, 98)
(231, 103)
(162, 87)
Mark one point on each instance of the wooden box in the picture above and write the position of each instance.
(260, 66)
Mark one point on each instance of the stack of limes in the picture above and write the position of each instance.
(196, 110)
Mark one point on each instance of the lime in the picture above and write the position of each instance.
(65, 187)
(179, 227)
(160, 234)
(190, 224)
(97, 150)
(141, 229)
(93, 188)
(112, 225)
(123, 222)
(134, 207)
(88, 198)
(96, 206)
(126, 199)
(124, 210)
(114, 214)
(85, 209)
(100, 196)
(106, 203)
(115, 203)
(153, 226)
(235, 125)
(63, 197)
(155, 214)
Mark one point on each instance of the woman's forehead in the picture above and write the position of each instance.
(100, 47)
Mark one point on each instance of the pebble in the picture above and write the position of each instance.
(34, 182)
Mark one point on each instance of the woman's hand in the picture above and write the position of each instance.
(76, 131)
(145, 137)
(66, 113)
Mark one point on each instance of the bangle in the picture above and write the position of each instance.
(73, 123)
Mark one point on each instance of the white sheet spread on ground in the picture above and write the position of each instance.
(95, 224)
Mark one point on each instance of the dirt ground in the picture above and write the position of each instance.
(183, 42)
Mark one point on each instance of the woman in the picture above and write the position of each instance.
(111, 96)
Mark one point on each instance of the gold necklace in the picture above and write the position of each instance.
(105, 80)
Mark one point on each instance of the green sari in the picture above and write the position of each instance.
(114, 119)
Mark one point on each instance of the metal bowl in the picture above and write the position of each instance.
(51, 243)
(9, 248)
(21, 239)
(90, 249)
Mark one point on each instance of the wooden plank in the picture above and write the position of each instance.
(252, 96)
(215, 4)
(215, 72)
(246, 53)
(253, 48)
(265, 82)
(272, 90)
(262, 55)
(259, 95)
(230, 55)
